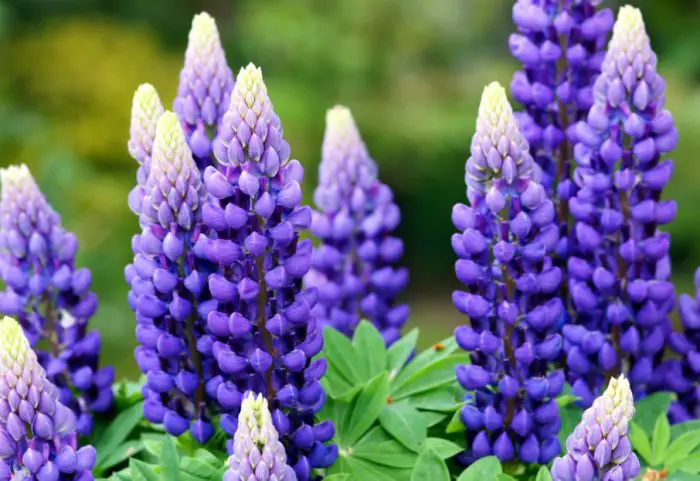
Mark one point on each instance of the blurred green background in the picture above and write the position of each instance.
(412, 71)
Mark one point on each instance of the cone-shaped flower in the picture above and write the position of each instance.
(206, 82)
(620, 278)
(37, 432)
(599, 449)
(266, 336)
(504, 243)
(354, 267)
(258, 453)
(146, 109)
(49, 296)
(168, 287)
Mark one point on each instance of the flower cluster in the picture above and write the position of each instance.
(353, 268)
(258, 454)
(511, 294)
(600, 448)
(50, 297)
(619, 279)
(260, 316)
(205, 88)
(168, 289)
(38, 440)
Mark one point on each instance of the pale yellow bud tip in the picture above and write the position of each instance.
(14, 174)
(339, 117)
(169, 126)
(203, 27)
(12, 338)
(494, 97)
(629, 18)
(250, 75)
(146, 97)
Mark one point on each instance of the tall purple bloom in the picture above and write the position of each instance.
(38, 439)
(354, 267)
(510, 294)
(146, 109)
(619, 282)
(205, 88)
(50, 297)
(168, 286)
(599, 449)
(265, 334)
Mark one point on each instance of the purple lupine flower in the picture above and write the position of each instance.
(168, 287)
(258, 454)
(38, 438)
(50, 297)
(265, 334)
(354, 267)
(620, 278)
(146, 109)
(511, 295)
(599, 449)
(680, 375)
(205, 88)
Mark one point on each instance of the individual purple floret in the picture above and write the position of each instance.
(258, 454)
(510, 295)
(354, 267)
(38, 438)
(265, 334)
(205, 88)
(50, 297)
(146, 109)
(168, 286)
(599, 449)
(620, 279)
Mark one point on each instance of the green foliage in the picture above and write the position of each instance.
(485, 469)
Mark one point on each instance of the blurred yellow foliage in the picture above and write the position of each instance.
(82, 73)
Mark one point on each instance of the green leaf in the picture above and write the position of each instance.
(660, 439)
(404, 423)
(365, 409)
(430, 355)
(197, 467)
(443, 399)
(337, 477)
(543, 474)
(431, 418)
(119, 455)
(682, 447)
(430, 466)
(444, 448)
(485, 469)
(117, 432)
(399, 352)
(169, 460)
(218, 476)
(647, 410)
(337, 386)
(456, 425)
(141, 471)
(370, 344)
(570, 417)
(360, 469)
(341, 354)
(683, 476)
(682, 428)
(388, 453)
(690, 464)
(153, 442)
(504, 477)
(640, 442)
(434, 375)
(207, 457)
(566, 400)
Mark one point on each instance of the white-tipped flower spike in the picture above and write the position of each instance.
(599, 448)
(500, 164)
(174, 191)
(206, 82)
(258, 454)
(37, 433)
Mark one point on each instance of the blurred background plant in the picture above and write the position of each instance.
(412, 71)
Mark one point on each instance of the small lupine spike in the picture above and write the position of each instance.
(505, 240)
(258, 453)
(49, 296)
(146, 109)
(37, 433)
(600, 448)
(619, 279)
(205, 88)
(354, 268)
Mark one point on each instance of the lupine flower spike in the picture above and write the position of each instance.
(205, 88)
(599, 449)
(620, 279)
(146, 109)
(50, 297)
(38, 440)
(354, 267)
(266, 336)
(504, 243)
(168, 284)
(258, 454)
